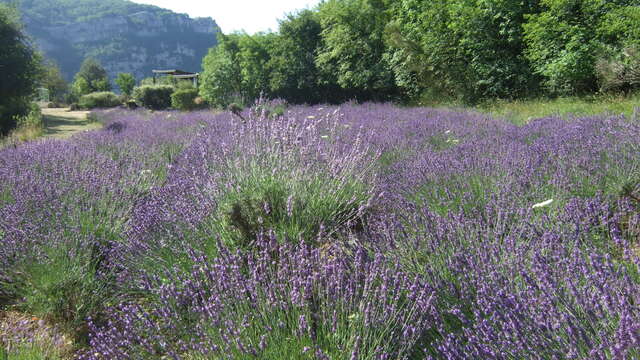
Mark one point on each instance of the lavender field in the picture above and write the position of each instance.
(353, 232)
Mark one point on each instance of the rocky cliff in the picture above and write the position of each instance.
(123, 36)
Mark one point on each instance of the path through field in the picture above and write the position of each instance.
(62, 123)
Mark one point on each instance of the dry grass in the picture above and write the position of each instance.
(21, 333)
(22, 134)
(62, 123)
(59, 123)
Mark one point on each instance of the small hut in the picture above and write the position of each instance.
(177, 74)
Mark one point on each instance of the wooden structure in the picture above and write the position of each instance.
(177, 74)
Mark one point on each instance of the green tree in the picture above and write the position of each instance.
(236, 70)
(53, 81)
(293, 72)
(353, 47)
(20, 69)
(564, 40)
(221, 78)
(253, 57)
(465, 49)
(618, 65)
(126, 82)
(92, 77)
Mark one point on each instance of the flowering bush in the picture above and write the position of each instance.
(360, 231)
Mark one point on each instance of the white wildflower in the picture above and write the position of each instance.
(542, 204)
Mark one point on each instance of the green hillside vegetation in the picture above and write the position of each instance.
(64, 12)
(62, 29)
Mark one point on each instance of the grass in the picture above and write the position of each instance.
(57, 123)
(520, 112)
(64, 289)
(60, 123)
(29, 352)
(29, 127)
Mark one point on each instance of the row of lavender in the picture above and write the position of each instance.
(363, 232)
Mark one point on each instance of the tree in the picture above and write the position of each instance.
(19, 69)
(92, 77)
(221, 78)
(353, 47)
(293, 71)
(618, 66)
(254, 54)
(126, 82)
(53, 81)
(564, 40)
(466, 49)
(236, 70)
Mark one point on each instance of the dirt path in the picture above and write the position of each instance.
(62, 123)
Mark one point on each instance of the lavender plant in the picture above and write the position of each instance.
(360, 231)
(284, 301)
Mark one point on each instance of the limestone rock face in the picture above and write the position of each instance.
(130, 38)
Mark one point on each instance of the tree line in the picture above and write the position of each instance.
(408, 50)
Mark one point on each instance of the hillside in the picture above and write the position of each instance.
(124, 36)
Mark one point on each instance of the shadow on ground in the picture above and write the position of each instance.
(62, 124)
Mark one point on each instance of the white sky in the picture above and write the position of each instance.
(235, 15)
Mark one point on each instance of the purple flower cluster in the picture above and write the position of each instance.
(281, 299)
(360, 231)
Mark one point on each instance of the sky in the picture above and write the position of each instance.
(236, 15)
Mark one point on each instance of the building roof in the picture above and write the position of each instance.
(189, 76)
(173, 72)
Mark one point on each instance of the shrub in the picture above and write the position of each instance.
(11, 112)
(621, 73)
(156, 97)
(272, 109)
(54, 105)
(20, 69)
(126, 82)
(28, 126)
(33, 118)
(298, 189)
(103, 99)
(92, 77)
(63, 288)
(294, 206)
(184, 99)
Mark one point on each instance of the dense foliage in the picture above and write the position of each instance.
(102, 99)
(156, 97)
(20, 70)
(126, 82)
(54, 82)
(466, 51)
(184, 99)
(91, 77)
(363, 232)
